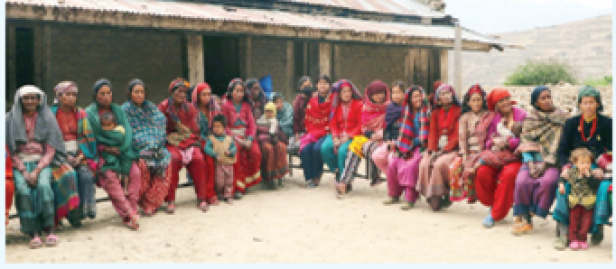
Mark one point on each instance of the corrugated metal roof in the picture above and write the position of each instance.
(257, 16)
(401, 7)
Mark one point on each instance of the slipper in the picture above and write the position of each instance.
(170, 208)
(35, 243)
(132, 223)
(51, 241)
(204, 206)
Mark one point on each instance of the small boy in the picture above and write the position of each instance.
(269, 122)
(115, 133)
(222, 148)
(582, 196)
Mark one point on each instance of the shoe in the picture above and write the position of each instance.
(170, 208)
(407, 206)
(597, 237)
(392, 200)
(237, 195)
(575, 245)
(489, 222)
(280, 182)
(560, 243)
(521, 228)
(583, 245)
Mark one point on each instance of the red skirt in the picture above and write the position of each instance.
(247, 169)
(10, 191)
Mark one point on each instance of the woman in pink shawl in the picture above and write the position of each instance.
(376, 100)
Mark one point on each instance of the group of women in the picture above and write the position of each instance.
(446, 149)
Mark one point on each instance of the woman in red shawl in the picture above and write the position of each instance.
(202, 100)
(345, 124)
(376, 100)
(241, 125)
(316, 124)
(10, 186)
(433, 180)
(183, 143)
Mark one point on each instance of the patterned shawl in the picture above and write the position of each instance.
(85, 137)
(335, 94)
(149, 133)
(373, 115)
(541, 132)
(318, 115)
(405, 142)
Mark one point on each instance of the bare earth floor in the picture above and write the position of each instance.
(296, 225)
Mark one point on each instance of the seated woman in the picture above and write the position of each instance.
(345, 124)
(376, 100)
(403, 168)
(317, 110)
(433, 181)
(242, 127)
(393, 120)
(35, 142)
(124, 204)
(149, 139)
(592, 131)
(300, 105)
(535, 189)
(474, 123)
(274, 164)
(79, 144)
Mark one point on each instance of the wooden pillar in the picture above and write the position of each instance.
(196, 59)
(11, 38)
(444, 58)
(458, 60)
(289, 93)
(325, 59)
(337, 63)
(412, 67)
(424, 69)
(246, 54)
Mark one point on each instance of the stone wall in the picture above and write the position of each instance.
(269, 56)
(565, 97)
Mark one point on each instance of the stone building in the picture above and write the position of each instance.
(216, 40)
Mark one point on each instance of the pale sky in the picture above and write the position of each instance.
(498, 16)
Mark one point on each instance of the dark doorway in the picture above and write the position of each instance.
(24, 51)
(306, 60)
(221, 62)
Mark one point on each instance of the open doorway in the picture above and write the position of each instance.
(221, 62)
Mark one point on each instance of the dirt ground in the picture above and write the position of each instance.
(297, 225)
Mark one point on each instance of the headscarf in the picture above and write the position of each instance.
(588, 90)
(541, 133)
(177, 83)
(337, 89)
(214, 108)
(443, 88)
(46, 131)
(132, 85)
(405, 143)
(262, 99)
(534, 96)
(467, 97)
(62, 87)
(99, 84)
(497, 95)
(270, 106)
(301, 81)
(373, 115)
(234, 82)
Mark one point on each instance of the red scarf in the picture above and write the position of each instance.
(593, 129)
(317, 115)
(445, 121)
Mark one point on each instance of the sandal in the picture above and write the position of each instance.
(204, 206)
(132, 223)
(51, 241)
(213, 201)
(310, 185)
(35, 243)
(170, 208)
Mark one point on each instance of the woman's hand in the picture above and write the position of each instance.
(561, 188)
(597, 173)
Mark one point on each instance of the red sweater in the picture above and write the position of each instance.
(450, 131)
(352, 124)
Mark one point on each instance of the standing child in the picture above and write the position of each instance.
(582, 198)
(221, 147)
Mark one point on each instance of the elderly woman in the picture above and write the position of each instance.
(79, 144)
(345, 125)
(317, 112)
(474, 122)
(183, 144)
(149, 138)
(241, 126)
(537, 179)
(123, 198)
(35, 142)
(403, 168)
(284, 114)
(256, 97)
(203, 101)
(592, 131)
(376, 100)
(494, 185)
(433, 181)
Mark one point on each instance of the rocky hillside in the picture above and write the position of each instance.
(585, 44)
